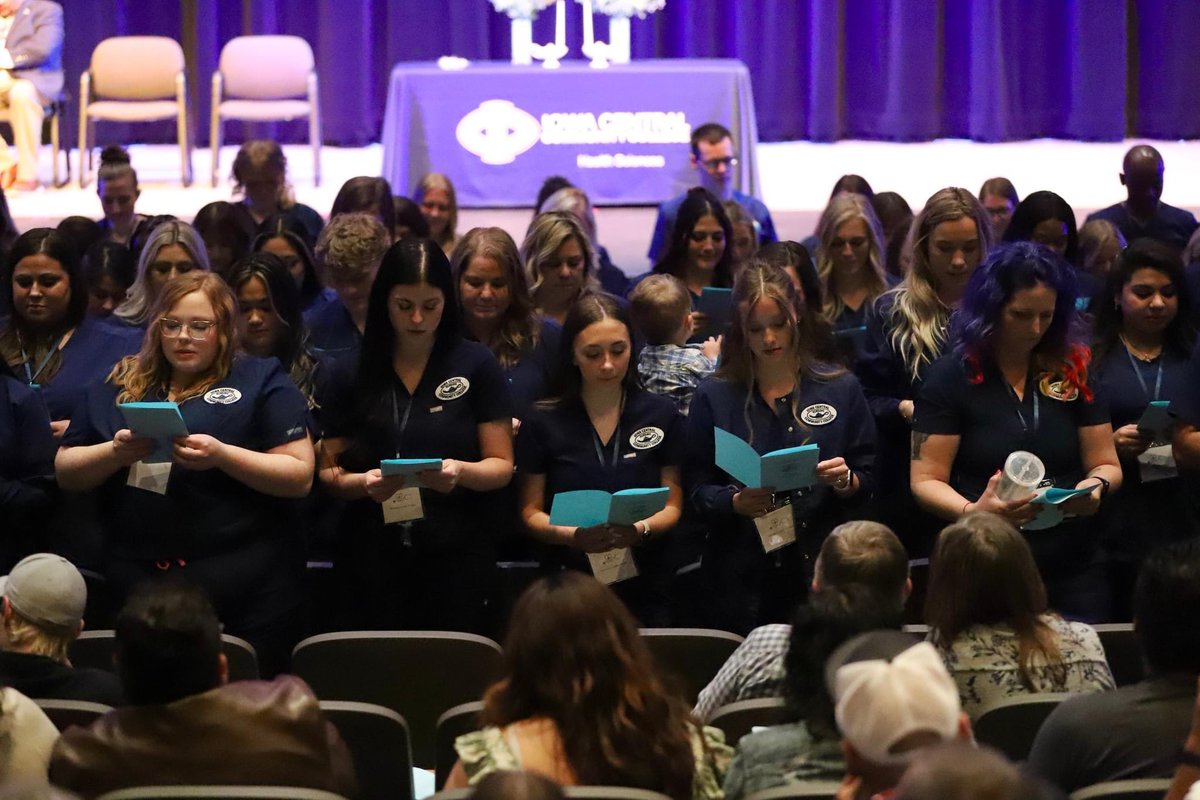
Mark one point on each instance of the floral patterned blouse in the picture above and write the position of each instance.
(489, 750)
(984, 663)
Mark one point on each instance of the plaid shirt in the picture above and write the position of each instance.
(754, 670)
(674, 371)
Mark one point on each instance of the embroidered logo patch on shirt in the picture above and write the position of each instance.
(818, 414)
(452, 388)
(1058, 390)
(222, 396)
(646, 438)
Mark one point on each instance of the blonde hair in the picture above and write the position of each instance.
(1093, 236)
(28, 637)
(547, 233)
(436, 180)
(843, 208)
(136, 308)
(136, 376)
(352, 243)
(519, 329)
(917, 320)
(659, 305)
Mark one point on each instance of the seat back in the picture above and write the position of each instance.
(1139, 789)
(266, 67)
(136, 68)
(95, 649)
(572, 793)
(419, 675)
(691, 656)
(378, 742)
(220, 793)
(738, 719)
(1122, 652)
(457, 721)
(812, 790)
(66, 713)
(1011, 725)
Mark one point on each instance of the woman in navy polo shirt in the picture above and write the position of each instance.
(26, 468)
(225, 516)
(1142, 344)
(423, 391)
(700, 252)
(1015, 380)
(851, 262)
(602, 431)
(771, 391)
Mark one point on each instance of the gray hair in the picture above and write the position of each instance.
(136, 308)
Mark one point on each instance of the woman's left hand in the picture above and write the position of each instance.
(835, 472)
(1084, 505)
(624, 535)
(198, 451)
(443, 480)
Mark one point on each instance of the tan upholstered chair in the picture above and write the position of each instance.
(266, 78)
(133, 79)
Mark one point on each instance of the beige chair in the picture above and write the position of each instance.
(133, 79)
(54, 111)
(266, 78)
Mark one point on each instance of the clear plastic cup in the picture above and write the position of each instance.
(1023, 472)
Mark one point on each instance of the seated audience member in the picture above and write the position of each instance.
(410, 222)
(712, 158)
(512, 784)
(260, 176)
(26, 468)
(1143, 213)
(806, 747)
(668, 365)
(892, 698)
(1000, 198)
(698, 252)
(1100, 244)
(850, 263)
(348, 252)
(575, 201)
(744, 243)
(365, 195)
(964, 771)
(560, 263)
(986, 611)
(858, 553)
(227, 231)
(847, 184)
(439, 203)
(27, 738)
(895, 217)
(117, 186)
(43, 601)
(1135, 731)
(172, 249)
(109, 270)
(582, 702)
(280, 236)
(81, 232)
(186, 724)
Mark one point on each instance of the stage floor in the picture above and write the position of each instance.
(796, 179)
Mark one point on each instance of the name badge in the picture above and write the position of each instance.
(403, 506)
(612, 566)
(1157, 463)
(150, 477)
(776, 528)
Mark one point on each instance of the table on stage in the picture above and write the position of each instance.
(621, 134)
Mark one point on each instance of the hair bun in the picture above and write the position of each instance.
(114, 154)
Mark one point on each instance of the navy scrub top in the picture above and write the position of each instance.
(93, 350)
(529, 379)
(258, 407)
(461, 387)
(26, 451)
(332, 331)
(848, 432)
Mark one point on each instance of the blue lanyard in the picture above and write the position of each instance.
(611, 467)
(32, 375)
(1141, 380)
(1017, 405)
(401, 423)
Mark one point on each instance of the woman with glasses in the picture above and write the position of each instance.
(218, 504)
(700, 251)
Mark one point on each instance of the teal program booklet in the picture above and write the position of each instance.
(408, 466)
(161, 422)
(781, 470)
(589, 507)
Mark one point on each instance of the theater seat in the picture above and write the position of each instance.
(1142, 789)
(220, 793)
(1011, 725)
(67, 713)
(457, 721)
(1122, 652)
(572, 792)
(691, 656)
(741, 718)
(814, 790)
(379, 744)
(95, 649)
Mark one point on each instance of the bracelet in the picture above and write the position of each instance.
(845, 484)
(1188, 758)
(645, 533)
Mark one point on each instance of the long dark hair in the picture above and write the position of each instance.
(283, 226)
(1144, 253)
(1037, 208)
(573, 655)
(566, 383)
(293, 350)
(52, 244)
(699, 203)
(367, 195)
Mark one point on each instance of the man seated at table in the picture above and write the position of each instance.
(712, 158)
(186, 724)
(1143, 213)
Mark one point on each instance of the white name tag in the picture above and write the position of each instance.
(403, 506)
(150, 477)
(1157, 463)
(612, 566)
(776, 529)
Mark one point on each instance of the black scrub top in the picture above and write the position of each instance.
(561, 444)
(26, 465)
(92, 351)
(258, 407)
(985, 417)
(462, 386)
(529, 378)
(835, 416)
(332, 331)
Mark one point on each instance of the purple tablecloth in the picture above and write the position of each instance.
(620, 134)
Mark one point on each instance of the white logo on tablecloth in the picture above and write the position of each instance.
(498, 132)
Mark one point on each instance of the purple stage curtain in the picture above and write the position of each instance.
(901, 70)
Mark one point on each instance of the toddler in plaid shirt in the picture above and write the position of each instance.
(667, 365)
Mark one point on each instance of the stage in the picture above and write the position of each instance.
(795, 177)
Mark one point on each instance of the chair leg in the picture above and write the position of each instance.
(314, 125)
(55, 146)
(185, 152)
(85, 153)
(214, 140)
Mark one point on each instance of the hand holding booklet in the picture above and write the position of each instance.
(161, 422)
(717, 303)
(1157, 419)
(1050, 498)
(781, 470)
(589, 507)
(408, 466)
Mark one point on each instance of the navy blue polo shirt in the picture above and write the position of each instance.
(331, 330)
(985, 418)
(258, 407)
(529, 379)
(1170, 225)
(26, 448)
(1187, 402)
(92, 351)
(849, 432)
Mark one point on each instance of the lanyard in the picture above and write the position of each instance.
(400, 422)
(611, 467)
(32, 375)
(1017, 405)
(1138, 372)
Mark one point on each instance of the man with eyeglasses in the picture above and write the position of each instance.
(712, 158)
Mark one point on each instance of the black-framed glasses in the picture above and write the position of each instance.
(198, 329)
